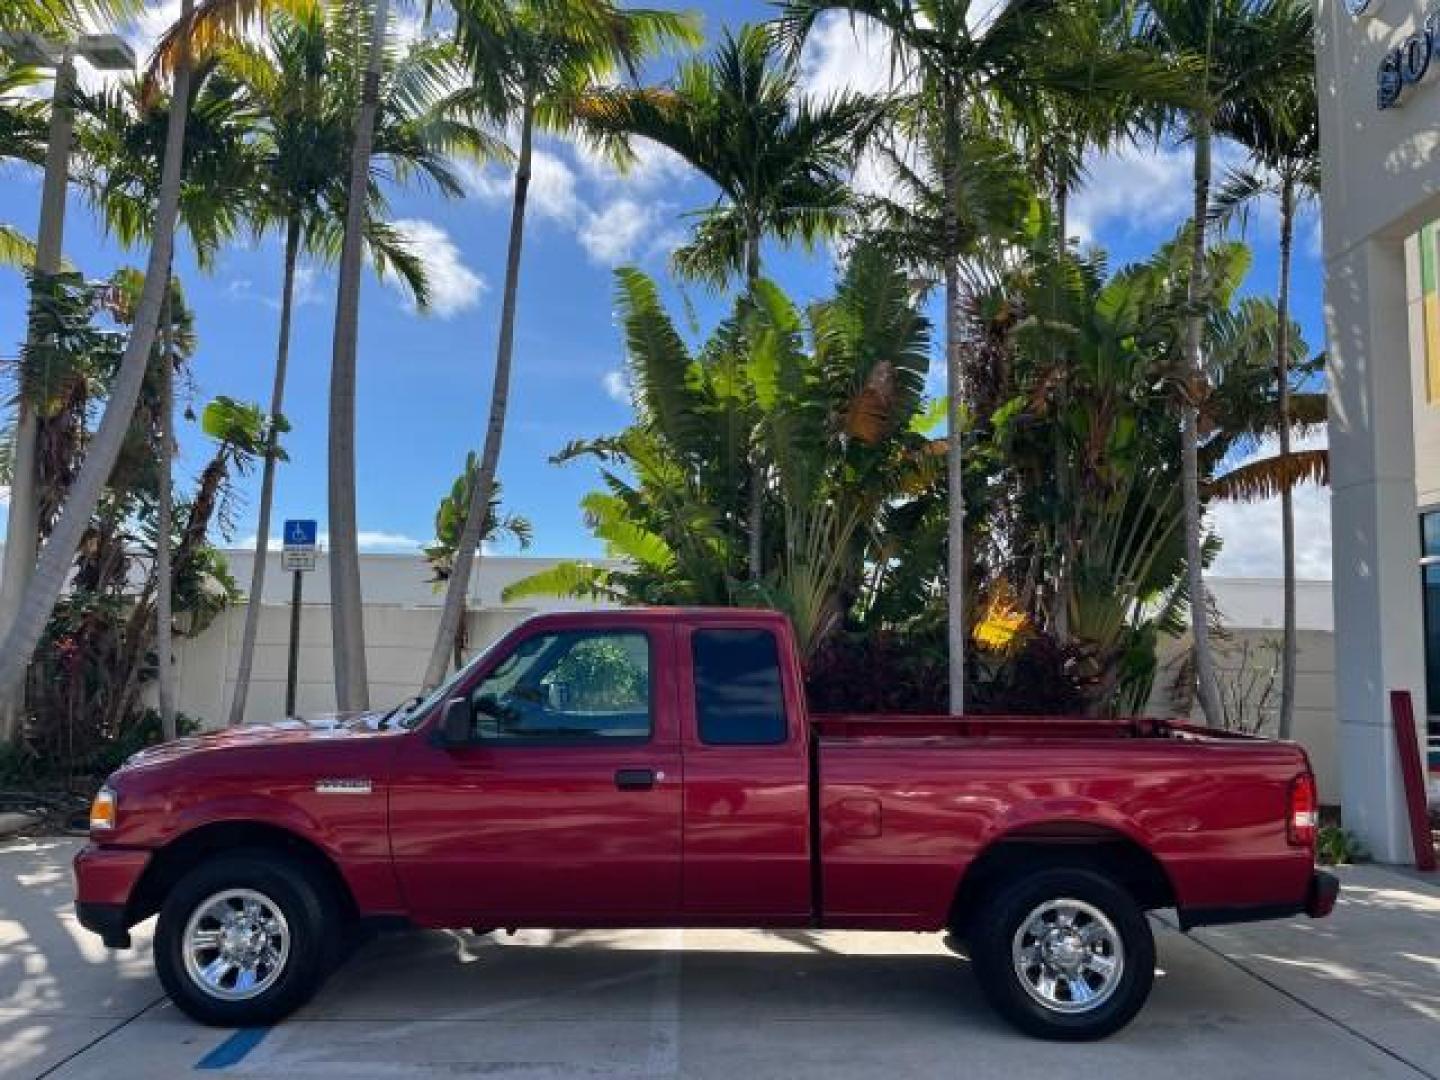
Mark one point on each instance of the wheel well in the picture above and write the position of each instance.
(180, 856)
(1097, 848)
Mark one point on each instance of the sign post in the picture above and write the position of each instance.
(297, 556)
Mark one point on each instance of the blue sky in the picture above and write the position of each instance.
(424, 380)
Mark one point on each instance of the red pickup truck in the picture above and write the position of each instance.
(658, 768)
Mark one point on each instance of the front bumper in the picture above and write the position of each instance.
(105, 882)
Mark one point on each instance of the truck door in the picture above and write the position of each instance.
(565, 808)
(747, 832)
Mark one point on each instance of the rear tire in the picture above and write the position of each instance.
(1063, 954)
(246, 938)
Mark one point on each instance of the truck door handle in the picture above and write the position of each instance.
(636, 779)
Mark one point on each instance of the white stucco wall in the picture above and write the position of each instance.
(402, 613)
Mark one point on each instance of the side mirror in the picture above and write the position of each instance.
(457, 723)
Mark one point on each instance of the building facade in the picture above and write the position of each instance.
(1378, 70)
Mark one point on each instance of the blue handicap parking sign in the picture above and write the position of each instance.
(300, 534)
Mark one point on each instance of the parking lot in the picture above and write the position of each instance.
(1354, 996)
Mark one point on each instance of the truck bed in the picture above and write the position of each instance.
(914, 727)
(907, 803)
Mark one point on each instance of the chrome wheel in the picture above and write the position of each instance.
(1068, 956)
(236, 944)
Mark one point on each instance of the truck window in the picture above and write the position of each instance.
(574, 686)
(738, 700)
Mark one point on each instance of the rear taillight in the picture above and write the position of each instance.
(1304, 816)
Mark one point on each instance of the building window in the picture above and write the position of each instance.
(1430, 579)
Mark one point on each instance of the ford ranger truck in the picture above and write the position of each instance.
(658, 767)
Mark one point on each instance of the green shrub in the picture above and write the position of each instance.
(23, 767)
(1336, 845)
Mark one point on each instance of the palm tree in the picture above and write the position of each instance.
(1246, 49)
(1058, 131)
(450, 518)
(778, 159)
(1282, 132)
(303, 85)
(534, 62)
(121, 137)
(43, 589)
(347, 616)
(952, 62)
(26, 134)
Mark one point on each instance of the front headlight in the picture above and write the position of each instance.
(102, 810)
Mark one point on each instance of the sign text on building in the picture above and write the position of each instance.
(1408, 62)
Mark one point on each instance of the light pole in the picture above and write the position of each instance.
(107, 52)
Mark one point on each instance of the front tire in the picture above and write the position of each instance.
(1064, 954)
(245, 939)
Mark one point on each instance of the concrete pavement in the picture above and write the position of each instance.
(1357, 995)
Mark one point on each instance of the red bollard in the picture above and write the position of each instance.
(1407, 743)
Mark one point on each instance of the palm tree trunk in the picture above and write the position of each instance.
(1287, 495)
(57, 556)
(955, 609)
(164, 576)
(22, 533)
(1196, 290)
(267, 479)
(347, 613)
(467, 549)
(1060, 616)
(756, 514)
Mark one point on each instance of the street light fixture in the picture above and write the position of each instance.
(28, 47)
(108, 52)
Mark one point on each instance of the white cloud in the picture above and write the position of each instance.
(616, 223)
(379, 540)
(553, 190)
(370, 540)
(618, 231)
(617, 386)
(654, 167)
(454, 287)
(1144, 188)
(311, 286)
(846, 55)
(552, 187)
(1134, 188)
(1251, 531)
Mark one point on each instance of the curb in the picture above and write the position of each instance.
(12, 822)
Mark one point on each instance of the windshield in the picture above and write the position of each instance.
(413, 713)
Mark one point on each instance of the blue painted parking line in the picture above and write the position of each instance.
(233, 1050)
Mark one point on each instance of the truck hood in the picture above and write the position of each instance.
(321, 728)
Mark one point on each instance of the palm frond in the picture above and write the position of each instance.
(16, 249)
(1256, 481)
